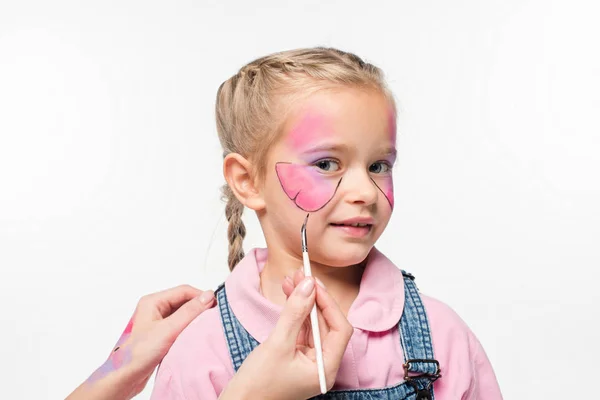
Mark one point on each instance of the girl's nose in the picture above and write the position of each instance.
(359, 188)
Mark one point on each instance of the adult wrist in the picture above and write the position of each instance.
(117, 385)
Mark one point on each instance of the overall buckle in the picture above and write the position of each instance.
(421, 394)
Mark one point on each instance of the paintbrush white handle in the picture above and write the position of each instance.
(314, 321)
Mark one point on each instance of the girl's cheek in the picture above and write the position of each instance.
(309, 189)
(385, 184)
(388, 190)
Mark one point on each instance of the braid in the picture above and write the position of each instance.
(236, 230)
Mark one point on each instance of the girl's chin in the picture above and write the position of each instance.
(342, 257)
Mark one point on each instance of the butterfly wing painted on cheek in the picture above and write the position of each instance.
(387, 189)
(310, 190)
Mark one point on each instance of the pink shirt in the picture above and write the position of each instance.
(198, 365)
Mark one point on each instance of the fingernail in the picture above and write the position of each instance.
(320, 283)
(206, 297)
(307, 287)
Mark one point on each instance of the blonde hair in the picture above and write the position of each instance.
(250, 109)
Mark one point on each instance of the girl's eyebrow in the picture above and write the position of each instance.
(340, 147)
(390, 151)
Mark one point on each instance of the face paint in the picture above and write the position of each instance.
(392, 125)
(386, 186)
(309, 130)
(309, 189)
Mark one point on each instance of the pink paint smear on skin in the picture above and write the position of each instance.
(386, 186)
(311, 128)
(392, 125)
(129, 326)
(117, 358)
(303, 184)
(311, 191)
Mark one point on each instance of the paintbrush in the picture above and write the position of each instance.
(314, 321)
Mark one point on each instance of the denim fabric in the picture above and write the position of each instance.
(415, 338)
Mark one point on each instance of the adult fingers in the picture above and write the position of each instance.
(323, 326)
(167, 301)
(176, 322)
(332, 313)
(298, 276)
(289, 283)
(296, 310)
(288, 286)
(340, 330)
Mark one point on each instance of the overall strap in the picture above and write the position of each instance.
(416, 342)
(239, 341)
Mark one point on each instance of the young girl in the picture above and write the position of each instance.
(313, 131)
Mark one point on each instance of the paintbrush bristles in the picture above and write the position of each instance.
(303, 234)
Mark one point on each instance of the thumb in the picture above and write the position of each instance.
(296, 310)
(180, 319)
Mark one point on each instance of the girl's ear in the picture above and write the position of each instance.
(238, 174)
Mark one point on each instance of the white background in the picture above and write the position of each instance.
(110, 169)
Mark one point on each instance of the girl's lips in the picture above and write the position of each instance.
(357, 220)
(353, 231)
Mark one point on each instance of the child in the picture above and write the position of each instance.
(313, 131)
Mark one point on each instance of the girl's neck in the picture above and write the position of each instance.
(341, 282)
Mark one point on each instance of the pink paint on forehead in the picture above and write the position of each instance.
(392, 125)
(309, 189)
(311, 127)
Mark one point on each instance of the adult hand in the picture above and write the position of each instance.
(158, 319)
(284, 366)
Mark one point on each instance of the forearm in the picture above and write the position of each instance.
(116, 385)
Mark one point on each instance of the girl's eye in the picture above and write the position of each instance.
(380, 167)
(327, 165)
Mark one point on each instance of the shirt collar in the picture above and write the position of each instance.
(380, 301)
(377, 308)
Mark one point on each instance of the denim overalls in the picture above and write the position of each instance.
(420, 369)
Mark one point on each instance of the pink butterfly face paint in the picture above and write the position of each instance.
(311, 128)
(386, 186)
(386, 183)
(309, 189)
(308, 186)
